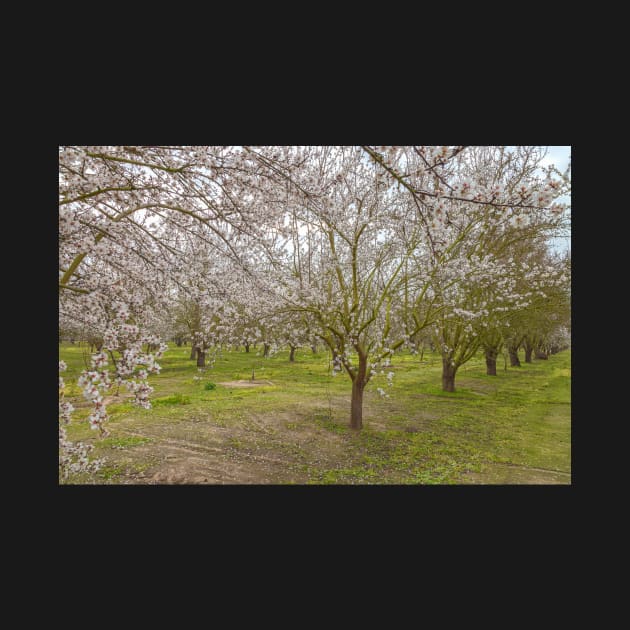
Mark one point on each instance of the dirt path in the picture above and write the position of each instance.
(261, 451)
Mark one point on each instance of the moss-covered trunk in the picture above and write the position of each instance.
(491, 361)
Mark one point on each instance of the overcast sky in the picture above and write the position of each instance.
(560, 156)
(555, 155)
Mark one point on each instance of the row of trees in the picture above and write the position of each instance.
(365, 250)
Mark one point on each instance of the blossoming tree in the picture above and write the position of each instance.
(364, 249)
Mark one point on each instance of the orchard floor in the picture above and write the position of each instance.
(291, 425)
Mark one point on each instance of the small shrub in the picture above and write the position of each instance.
(209, 386)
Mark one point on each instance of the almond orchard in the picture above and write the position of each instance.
(365, 252)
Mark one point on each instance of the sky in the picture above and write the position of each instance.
(557, 155)
(560, 156)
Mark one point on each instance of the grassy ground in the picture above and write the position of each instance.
(293, 426)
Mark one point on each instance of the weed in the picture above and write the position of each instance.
(123, 442)
(110, 472)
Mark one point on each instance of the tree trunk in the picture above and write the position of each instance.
(178, 342)
(201, 358)
(193, 352)
(541, 355)
(266, 350)
(358, 387)
(292, 354)
(356, 408)
(448, 376)
(246, 347)
(514, 360)
(314, 349)
(491, 362)
(528, 354)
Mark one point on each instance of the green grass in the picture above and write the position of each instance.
(123, 442)
(175, 399)
(293, 426)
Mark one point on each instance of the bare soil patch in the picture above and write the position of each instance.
(243, 383)
(258, 449)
